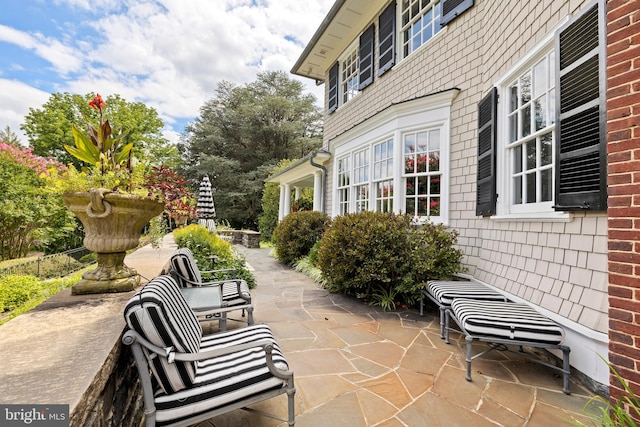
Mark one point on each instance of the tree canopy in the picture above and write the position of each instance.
(242, 133)
(48, 128)
(9, 137)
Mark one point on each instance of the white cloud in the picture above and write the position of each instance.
(15, 100)
(169, 54)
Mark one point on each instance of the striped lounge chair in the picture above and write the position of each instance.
(507, 323)
(235, 292)
(442, 293)
(187, 378)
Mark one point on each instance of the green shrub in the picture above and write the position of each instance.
(204, 245)
(16, 290)
(384, 258)
(296, 234)
(367, 252)
(433, 257)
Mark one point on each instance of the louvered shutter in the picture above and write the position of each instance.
(387, 39)
(451, 9)
(333, 88)
(581, 162)
(365, 54)
(486, 187)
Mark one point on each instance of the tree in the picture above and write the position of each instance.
(9, 137)
(30, 208)
(49, 128)
(242, 133)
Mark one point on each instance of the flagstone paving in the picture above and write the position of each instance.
(356, 365)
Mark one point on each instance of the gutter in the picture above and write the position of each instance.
(324, 174)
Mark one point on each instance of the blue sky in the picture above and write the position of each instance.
(169, 54)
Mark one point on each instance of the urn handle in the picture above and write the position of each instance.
(98, 207)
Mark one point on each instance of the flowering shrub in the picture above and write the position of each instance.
(25, 157)
(165, 183)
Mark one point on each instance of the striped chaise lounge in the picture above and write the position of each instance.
(188, 378)
(442, 293)
(507, 323)
(235, 292)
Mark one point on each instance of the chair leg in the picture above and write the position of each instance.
(566, 369)
(291, 392)
(223, 322)
(442, 316)
(250, 315)
(469, 341)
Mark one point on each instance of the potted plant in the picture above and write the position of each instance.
(111, 202)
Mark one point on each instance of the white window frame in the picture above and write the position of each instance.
(427, 113)
(344, 182)
(384, 181)
(505, 209)
(348, 79)
(435, 7)
(361, 180)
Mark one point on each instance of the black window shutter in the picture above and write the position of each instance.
(365, 57)
(451, 9)
(387, 39)
(486, 192)
(581, 162)
(333, 88)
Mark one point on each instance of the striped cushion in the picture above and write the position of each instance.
(445, 292)
(505, 320)
(230, 293)
(184, 264)
(224, 380)
(159, 313)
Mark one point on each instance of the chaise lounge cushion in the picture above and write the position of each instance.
(506, 321)
(184, 263)
(444, 292)
(160, 314)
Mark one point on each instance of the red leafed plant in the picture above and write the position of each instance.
(164, 183)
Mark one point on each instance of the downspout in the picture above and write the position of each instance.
(324, 178)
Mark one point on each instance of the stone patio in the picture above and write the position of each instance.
(356, 365)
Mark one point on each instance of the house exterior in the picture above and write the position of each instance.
(491, 118)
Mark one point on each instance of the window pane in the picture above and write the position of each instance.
(411, 186)
(539, 78)
(531, 187)
(540, 112)
(409, 143)
(525, 89)
(423, 206)
(434, 161)
(513, 98)
(531, 155)
(513, 127)
(546, 149)
(434, 206)
(517, 159)
(422, 144)
(435, 185)
(517, 190)
(422, 184)
(547, 185)
(409, 164)
(434, 139)
(526, 121)
(552, 107)
(410, 206)
(421, 163)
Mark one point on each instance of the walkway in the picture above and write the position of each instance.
(355, 365)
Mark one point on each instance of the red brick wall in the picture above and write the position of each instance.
(623, 141)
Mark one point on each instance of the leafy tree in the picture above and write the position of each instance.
(49, 128)
(30, 209)
(242, 133)
(9, 137)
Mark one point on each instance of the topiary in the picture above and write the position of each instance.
(296, 234)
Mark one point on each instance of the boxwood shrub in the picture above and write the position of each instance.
(384, 257)
(296, 234)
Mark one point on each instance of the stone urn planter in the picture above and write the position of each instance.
(112, 225)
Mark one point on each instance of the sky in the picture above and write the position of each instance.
(169, 54)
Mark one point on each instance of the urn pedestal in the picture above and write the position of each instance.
(112, 225)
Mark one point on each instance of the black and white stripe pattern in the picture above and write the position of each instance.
(506, 321)
(226, 379)
(159, 313)
(444, 292)
(184, 264)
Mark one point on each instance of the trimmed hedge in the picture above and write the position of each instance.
(296, 234)
(384, 257)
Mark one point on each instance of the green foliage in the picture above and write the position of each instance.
(19, 294)
(49, 128)
(363, 252)
(9, 137)
(305, 266)
(31, 210)
(433, 257)
(296, 234)
(204, 245)
(242, 133)
(382, 256)
(623, 412)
